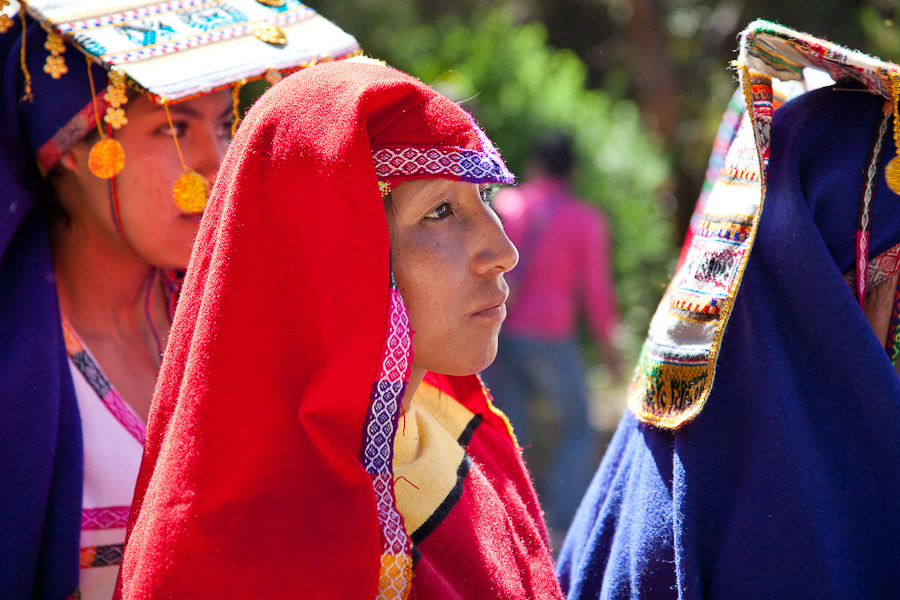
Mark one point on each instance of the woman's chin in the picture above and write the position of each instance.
(470, 367)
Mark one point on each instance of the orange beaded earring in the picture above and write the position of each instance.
(191, 189)
(107, 158)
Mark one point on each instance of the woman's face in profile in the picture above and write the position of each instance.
(448, 255)
(160, 233)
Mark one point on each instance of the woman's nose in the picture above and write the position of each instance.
(209, 148)
(497, 252)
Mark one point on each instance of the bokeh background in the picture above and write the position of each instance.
(639, 84)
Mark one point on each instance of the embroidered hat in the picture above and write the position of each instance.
(170, 51)
(216, 43)
(677, 364)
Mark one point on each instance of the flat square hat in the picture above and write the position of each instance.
(179, 49)
(169, 51)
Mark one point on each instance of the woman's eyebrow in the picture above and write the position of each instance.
(193, 113)
(184, 110)
(430, 192)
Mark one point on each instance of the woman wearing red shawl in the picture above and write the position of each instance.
(317, 429)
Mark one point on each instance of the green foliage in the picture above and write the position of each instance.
(518, 87)
(879, 30)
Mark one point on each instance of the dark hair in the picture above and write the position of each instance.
(554, 152)
(55, 212)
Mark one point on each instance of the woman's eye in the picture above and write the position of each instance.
(488, 193)
(441, 212)
(178, 129)
(225, 131)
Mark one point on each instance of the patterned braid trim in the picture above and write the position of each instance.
(865, 206)
(892, 345)
(452, 163)
(108, 517)
(108, 395)
(395, 578)
(879, 269)
(68, 135)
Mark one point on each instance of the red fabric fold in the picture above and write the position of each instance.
(252, 484)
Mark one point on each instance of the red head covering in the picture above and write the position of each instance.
(267, 470)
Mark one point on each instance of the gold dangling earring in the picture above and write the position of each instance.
(235, 105)
(55, 66)
(116, 97)
(190, 190)
(892, 170)
(107, 158)
(25, 73)
(5, 21)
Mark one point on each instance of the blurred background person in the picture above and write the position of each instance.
(564, 271)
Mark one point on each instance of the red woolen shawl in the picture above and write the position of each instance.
(267, 468)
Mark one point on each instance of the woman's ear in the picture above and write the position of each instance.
(76, 159)
(68, 161)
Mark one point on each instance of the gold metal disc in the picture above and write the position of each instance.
(190, 192)
(272, 3)
(107, 158)
(892, 175)
(270, 33)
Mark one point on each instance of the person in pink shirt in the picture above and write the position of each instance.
(564, 271)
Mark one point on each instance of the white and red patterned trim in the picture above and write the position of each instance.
(878, 269)
(865, 208)
(68, 135)
(94, 375)
(395, 576)
(453, 163)
(108, 517)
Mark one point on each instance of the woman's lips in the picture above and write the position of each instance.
(494, 310)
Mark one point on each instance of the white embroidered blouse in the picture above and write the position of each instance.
(113, 437)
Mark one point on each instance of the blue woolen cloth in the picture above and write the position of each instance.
(786, 484)
(41, 457)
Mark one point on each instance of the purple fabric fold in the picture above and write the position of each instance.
(41, 457)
